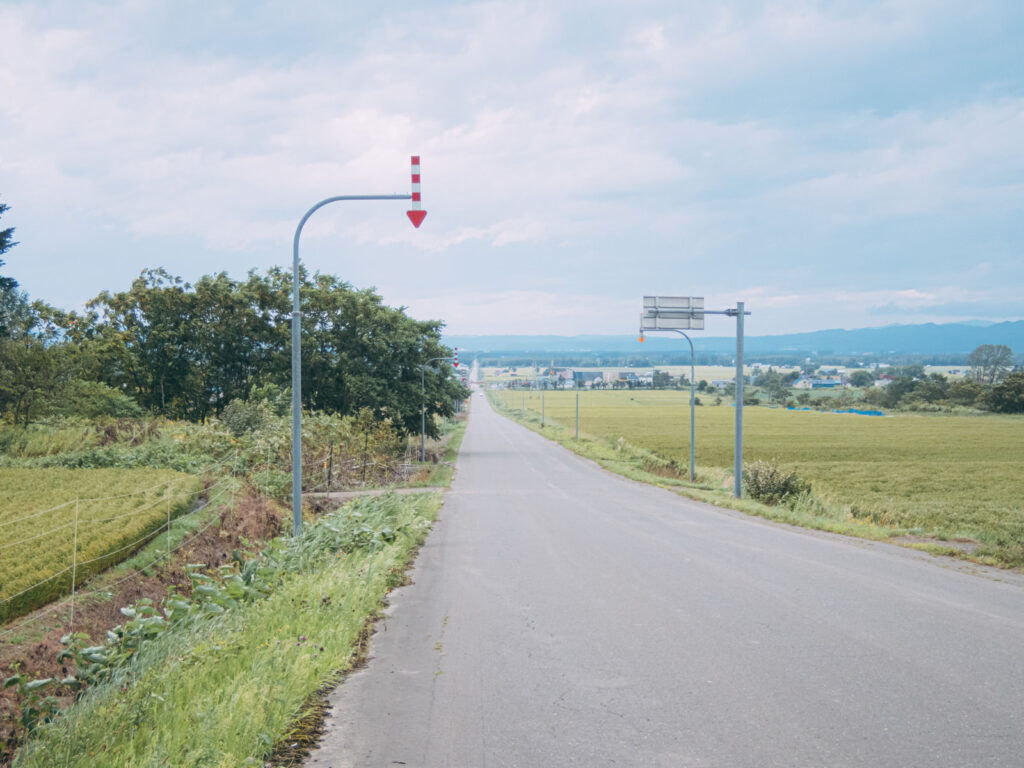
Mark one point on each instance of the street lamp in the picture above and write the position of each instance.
(416, 215)
(423, 405)
(693, 472)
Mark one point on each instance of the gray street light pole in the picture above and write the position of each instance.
(423, 405)
(297, 354)
(576, 381)
(693, 472)
(738, 449)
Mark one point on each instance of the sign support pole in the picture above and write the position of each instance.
(738, 448)
(674, 313)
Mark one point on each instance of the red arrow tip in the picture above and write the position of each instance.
(416, 217)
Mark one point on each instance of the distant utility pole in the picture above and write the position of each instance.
(678, 313)
(576, 381)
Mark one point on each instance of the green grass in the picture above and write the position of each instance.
(56, 524)
(440, 475)
(937, 475)
(226, 691)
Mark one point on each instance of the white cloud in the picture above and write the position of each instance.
(608, 142)
(527, 312)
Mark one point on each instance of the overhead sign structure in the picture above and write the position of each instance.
(672, 313)
(684, 313)
(417, 214)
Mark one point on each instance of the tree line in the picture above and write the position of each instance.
(185, 351)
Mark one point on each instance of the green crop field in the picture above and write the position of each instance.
(56, 524)
(949, 476)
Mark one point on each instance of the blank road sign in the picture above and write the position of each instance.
(669, 313)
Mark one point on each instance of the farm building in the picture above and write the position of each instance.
(805, 383)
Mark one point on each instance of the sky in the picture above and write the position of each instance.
(838, 164)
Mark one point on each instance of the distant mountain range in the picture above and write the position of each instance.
(927, 339)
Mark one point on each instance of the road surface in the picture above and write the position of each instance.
(563, 616)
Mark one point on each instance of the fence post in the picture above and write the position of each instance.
(168, 497)
(330, 467)
(74, 566)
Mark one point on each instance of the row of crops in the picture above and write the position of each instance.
(58, 526)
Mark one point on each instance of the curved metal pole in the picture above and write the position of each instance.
(577, 383)
(297, 355)
(693, 473)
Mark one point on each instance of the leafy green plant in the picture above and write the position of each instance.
(35, 708)
(767, 483)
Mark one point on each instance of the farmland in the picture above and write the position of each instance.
(943, 476)
(58, 524)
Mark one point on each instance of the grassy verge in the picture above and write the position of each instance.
(714, 486)
(440, 474)
(226, 690)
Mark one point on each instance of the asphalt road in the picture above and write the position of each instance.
(562, 616)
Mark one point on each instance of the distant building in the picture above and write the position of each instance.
(806, 383)
(587, 378)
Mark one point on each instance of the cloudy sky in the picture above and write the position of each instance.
(832, 164)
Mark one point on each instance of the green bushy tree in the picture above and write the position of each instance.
(989, 362)
(1008, 395)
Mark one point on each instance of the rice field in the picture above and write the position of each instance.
(943, 475)
(57, 526)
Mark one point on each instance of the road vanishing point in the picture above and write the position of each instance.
(561, 615)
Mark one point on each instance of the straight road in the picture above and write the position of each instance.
(563, 616)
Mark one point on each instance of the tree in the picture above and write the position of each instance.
(6, 243)
(188, 351)
(965, 392)
(774, 386)
(34, 367)
(861, 379)
(1008, 395)
(768, 378)
(12, 302)
(932, 388)
(362, 353)
(989, 362)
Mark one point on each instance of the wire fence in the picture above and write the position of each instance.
(77, 594)
(97, 530)
(181, 480)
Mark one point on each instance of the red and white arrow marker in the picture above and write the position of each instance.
(417, 214)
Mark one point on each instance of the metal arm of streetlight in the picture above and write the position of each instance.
(423, 405)
(297, 354)
(693, 473)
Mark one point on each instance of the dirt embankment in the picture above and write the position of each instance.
(30, 644)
